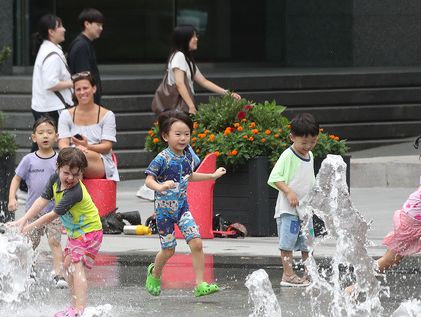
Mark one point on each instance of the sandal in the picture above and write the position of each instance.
(153, 284)
(294, 281)
(205, 289)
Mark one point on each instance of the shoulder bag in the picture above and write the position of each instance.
(167, 97)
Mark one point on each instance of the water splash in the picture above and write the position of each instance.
(99, 311)
(16, 259)
(262, 295)
(409, 308)
(329, 199)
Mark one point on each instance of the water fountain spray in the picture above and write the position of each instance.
(16, 260)
(329, 199)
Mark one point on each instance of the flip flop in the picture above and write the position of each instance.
(205, 289)
(153, 284)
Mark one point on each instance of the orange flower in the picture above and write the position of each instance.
(195, 125)
(263, 140)
(227, 131)
(201, 135)
(236, 124)
(245, 136)
(155, 140)
(234, 152)
(244, 120)
(217, 153)
(150, 132)
(289, 126)
(197, 151)
(280, 130)
(240, 129)
(193, 139)
(332, 136)
(252, 125)
(276, 135)
(267, 132)
(336, 138)
(207, 131)
(254, 131)
(251, 138)
(212, 137)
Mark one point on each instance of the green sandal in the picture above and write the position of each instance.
(153, 284)
(205, 289)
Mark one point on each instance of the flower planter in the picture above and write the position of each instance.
(242, 195)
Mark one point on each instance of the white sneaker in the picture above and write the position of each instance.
(146, 193)
(60, 282)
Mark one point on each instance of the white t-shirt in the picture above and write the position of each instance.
(297, 173)
(178, 60)
(48, 73)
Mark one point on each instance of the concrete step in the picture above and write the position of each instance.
(386, 171)
(124, 121)
(131, 173)
(396, 165)
(131, 140)
(245, 79)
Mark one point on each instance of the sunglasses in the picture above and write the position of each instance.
(81, 75)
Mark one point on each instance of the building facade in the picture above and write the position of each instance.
(290, 33)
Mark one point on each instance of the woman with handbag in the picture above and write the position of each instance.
(51, 82)
(176, 90)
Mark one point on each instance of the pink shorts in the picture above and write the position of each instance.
(405, 239)
(84, 248)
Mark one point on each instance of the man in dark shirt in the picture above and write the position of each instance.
(81, 51)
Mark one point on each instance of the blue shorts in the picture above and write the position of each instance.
(166, 218)
(289, 232)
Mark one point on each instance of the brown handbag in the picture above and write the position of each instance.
(167, 97)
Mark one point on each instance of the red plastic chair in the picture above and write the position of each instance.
(103, 192)
(200, 199)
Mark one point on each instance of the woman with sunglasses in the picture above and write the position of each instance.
(91, 128)
(51, 83)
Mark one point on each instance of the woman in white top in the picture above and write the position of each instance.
(91, 128)
(51, 82)
(181, 65)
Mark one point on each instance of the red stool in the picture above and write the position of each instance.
(200, 199)
(103, 193)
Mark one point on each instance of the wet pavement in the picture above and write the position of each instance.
(119, 274)
(119, 279)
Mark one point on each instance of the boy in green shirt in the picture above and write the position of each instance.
(293, 176)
